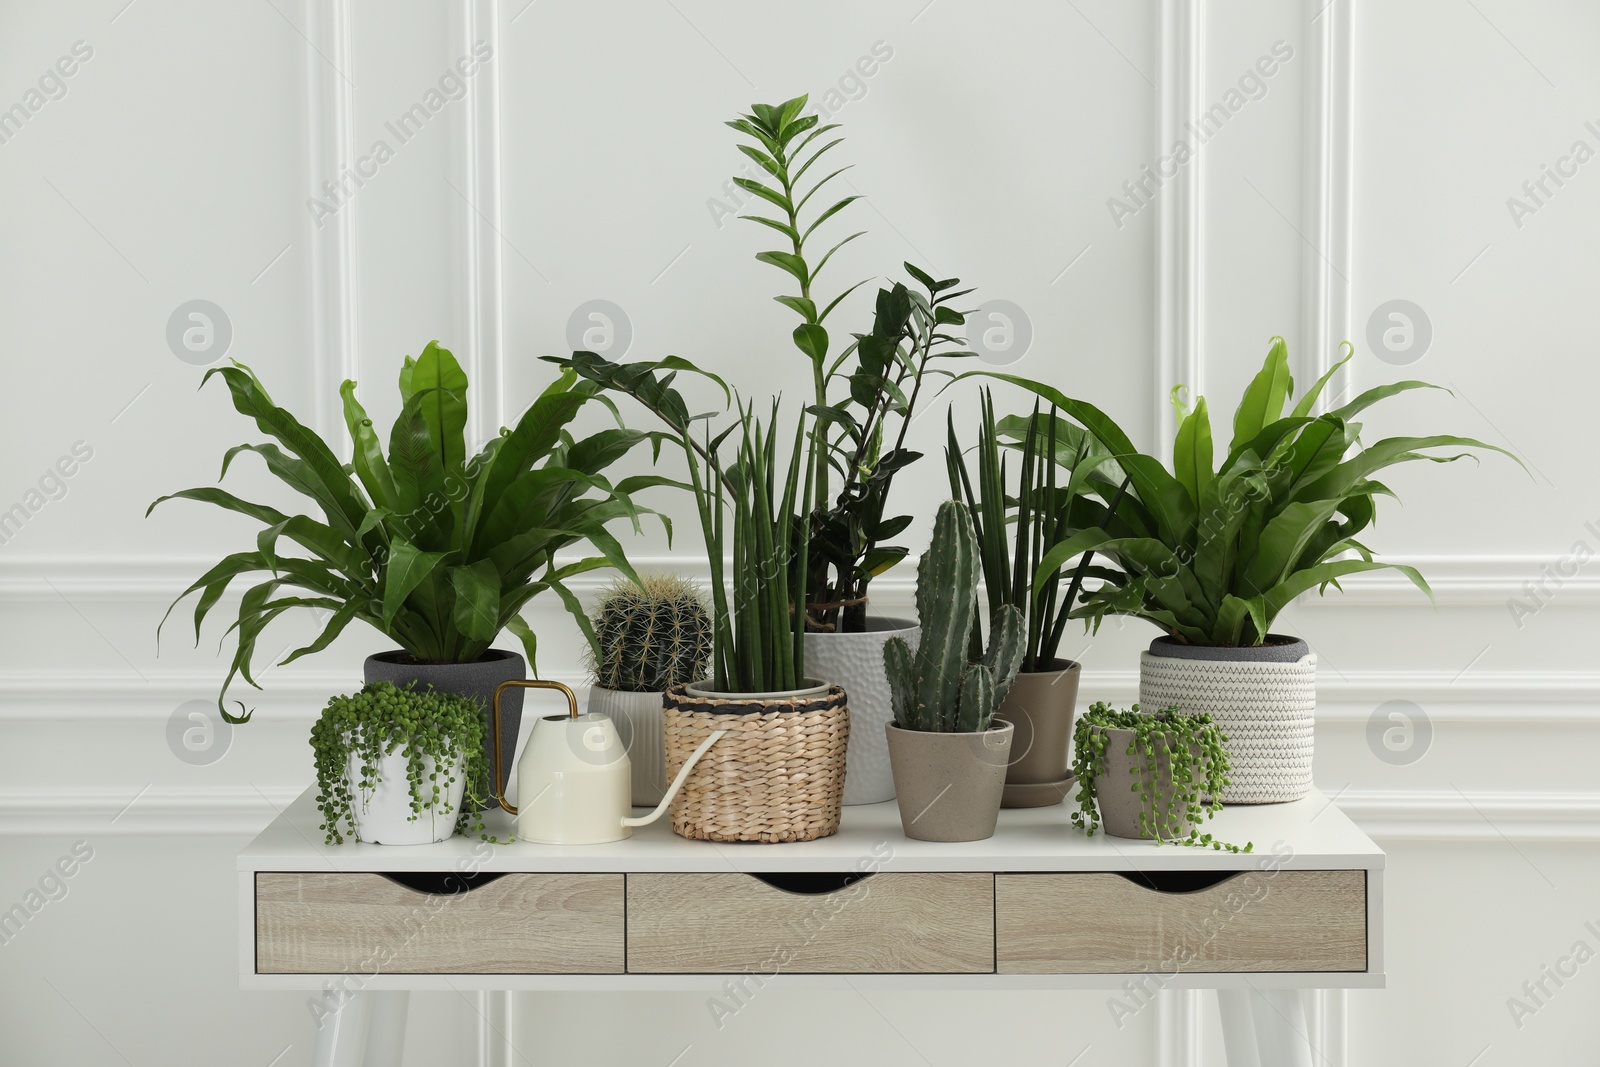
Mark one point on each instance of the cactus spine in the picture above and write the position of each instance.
(938, 688)
(651, 637)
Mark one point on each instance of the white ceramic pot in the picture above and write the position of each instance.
(638, 720)
(855, 662)
(1264, 699)
(385, 816)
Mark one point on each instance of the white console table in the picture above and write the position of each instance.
(1037, 906)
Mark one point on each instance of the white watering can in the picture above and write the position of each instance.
(574, 779)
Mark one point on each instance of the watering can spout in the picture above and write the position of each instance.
(677, 783)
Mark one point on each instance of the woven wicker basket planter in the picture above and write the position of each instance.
(1264, 699)
(777, 776)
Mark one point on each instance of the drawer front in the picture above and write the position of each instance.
(1254, 921)
(364, 923)
(883, 924)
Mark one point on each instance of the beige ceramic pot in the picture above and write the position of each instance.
(1120, 806)
(949, 785)
(1042, 706)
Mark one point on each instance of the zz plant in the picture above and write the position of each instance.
(951, 684)
(435, 731)
(860, 393)
(437, 549)
(651, 634)
(1177, 766)
(1211, 552)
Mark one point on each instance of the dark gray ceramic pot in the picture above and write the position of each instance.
(477, 680)
(1279, 648)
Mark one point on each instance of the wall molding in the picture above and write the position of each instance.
(1457, 580)
(1327, 191)
(331, 123)
(481, 220)
(1180, 213)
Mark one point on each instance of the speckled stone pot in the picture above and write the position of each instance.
(855, 662)
(1120, 806)
(477, 680)
(949, 785)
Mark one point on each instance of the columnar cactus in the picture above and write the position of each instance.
(938, 689)
(652, 636)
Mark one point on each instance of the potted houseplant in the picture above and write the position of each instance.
(1212, 552)
(948, 755)
(650, 635)
(1151, 776)
(394, 765)
(1058, 464)
(437, 549)
(779, 774)
(865, 396)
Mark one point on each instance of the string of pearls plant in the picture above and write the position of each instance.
(1178, 767)
(434, 729)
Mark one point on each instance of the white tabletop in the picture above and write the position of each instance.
(1309, 834)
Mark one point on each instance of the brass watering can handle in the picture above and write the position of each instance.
(521, 683)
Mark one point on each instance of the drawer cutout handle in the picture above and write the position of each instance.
(1177, 882)
(812, 883)
(442, 883)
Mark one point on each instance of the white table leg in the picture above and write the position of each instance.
(342, 1029)
(1238, 1027)
(386, 1028)
(1282, 1035)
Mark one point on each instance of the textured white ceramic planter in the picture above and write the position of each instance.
(855, 661)
(1263, 698)
(384, 817)
(637, 717)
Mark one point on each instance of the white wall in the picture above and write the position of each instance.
(1375, 166)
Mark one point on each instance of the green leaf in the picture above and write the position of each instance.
(787, 261)
(408, 568)
(1264, 399)
(477, 605)
(530, 642)
(812, 339)
(770, 195)
(1309, 401)
(1191, 452)
(440, 378)
(371, 467)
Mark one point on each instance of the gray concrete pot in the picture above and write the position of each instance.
(855, 661)
(477, 680)
(1042, 706)
(1120, 806)
(949, 785)
(1264, 699)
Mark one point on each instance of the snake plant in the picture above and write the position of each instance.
(438, 550)
(1212, 552)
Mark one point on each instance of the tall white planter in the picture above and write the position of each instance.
(1263, 698)
(385, 817)
(855, 662)
(639, 723)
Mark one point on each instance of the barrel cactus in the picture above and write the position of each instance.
(651, 635)
(938, 688)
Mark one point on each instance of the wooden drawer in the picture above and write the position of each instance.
(881, 924)
(362, 923)
(1109, 924)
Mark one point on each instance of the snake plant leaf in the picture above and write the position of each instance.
(1265, 396)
